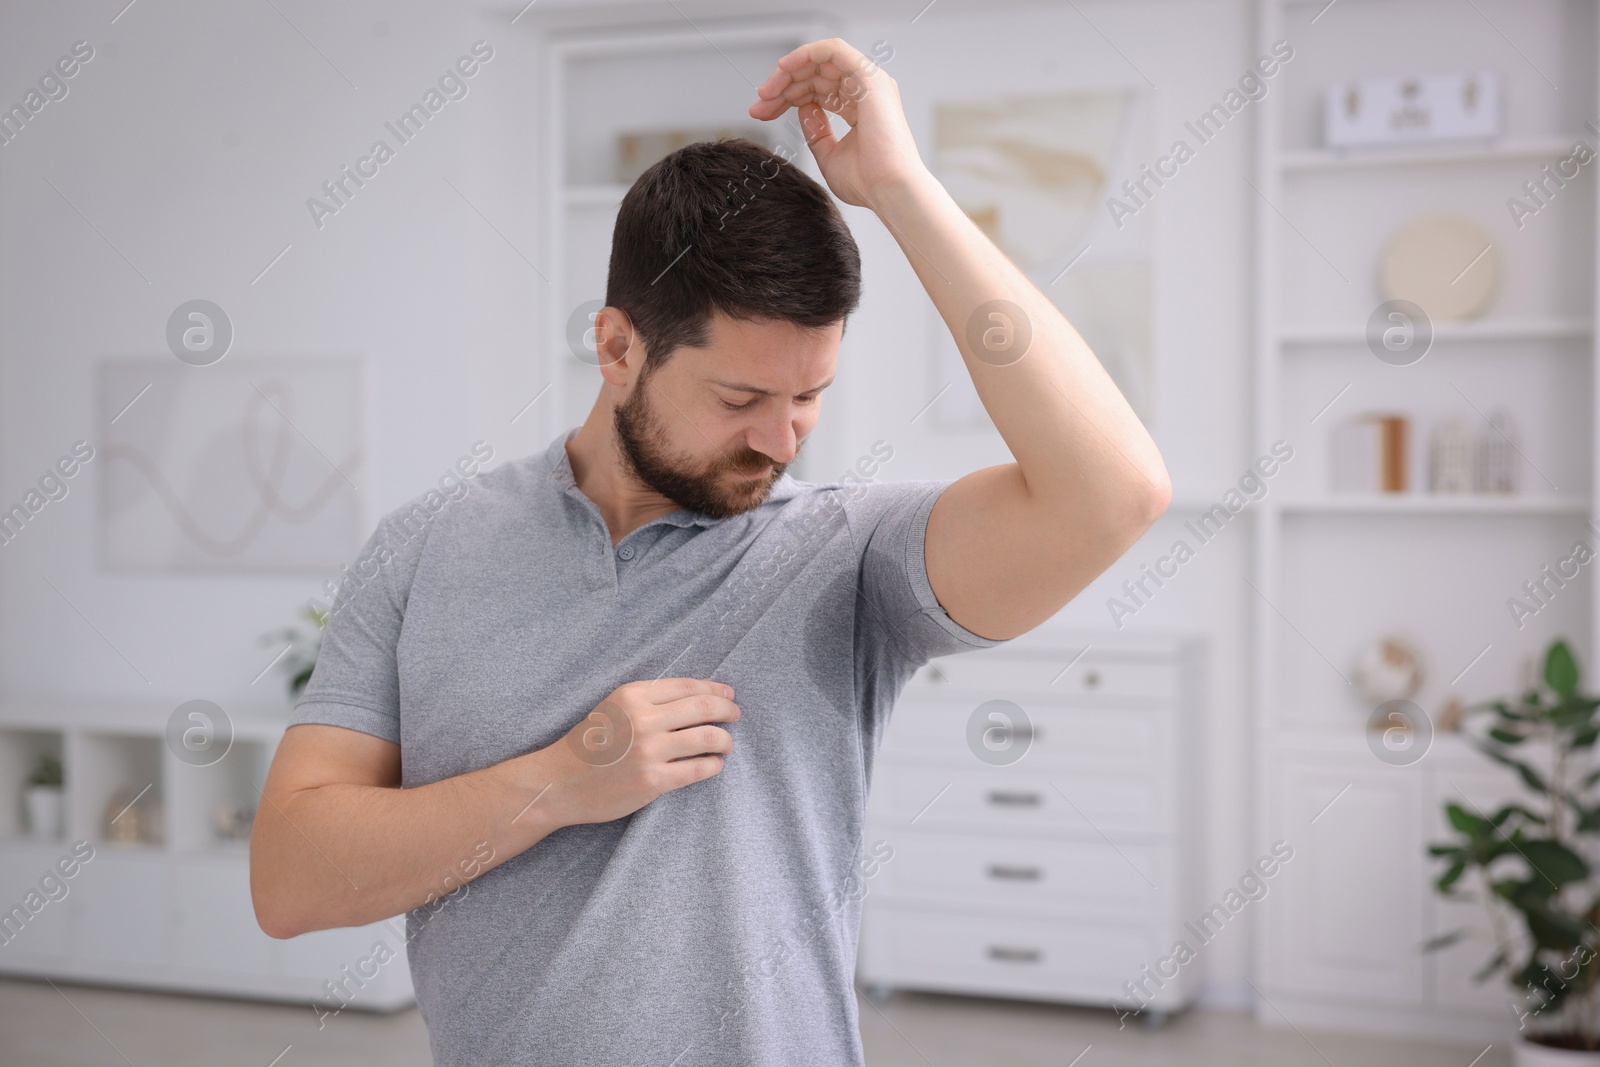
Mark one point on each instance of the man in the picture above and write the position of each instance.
(605, 725)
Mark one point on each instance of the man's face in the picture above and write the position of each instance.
(714, 428)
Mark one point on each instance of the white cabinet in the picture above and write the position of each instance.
(1052, 860)
(1348, 918)
(122, 906)
(213, 924)
(1343, 934)
(174, 913)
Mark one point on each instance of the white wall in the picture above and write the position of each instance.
(195, 136)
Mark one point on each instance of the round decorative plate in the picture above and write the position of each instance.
(1444, 265)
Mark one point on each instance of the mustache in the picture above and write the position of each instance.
(749, 461)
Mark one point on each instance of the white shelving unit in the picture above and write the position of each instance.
(590, 95)
(1338, 946)
(173, 913)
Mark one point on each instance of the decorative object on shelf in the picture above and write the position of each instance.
(1443, 264)
(1452, 461)
(1389, 669)
(1451, 716)
(1407, 109)
(1525, 863)
(132, 818)
(1370, 454)
(231, 820)
(1497, 455)
(42, 800)
(639, 150)
(300, 658)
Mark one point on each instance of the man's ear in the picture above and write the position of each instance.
(617, 344)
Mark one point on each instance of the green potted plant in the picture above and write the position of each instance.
(41, 800)
(1527, 865)
(300, 659)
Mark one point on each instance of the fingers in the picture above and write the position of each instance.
(694, 710)
(831, 73)
(667, 690)
(818, 132)
(695, 741)
(830, 60)
(688, 771)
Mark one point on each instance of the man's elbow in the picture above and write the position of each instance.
(279, 910)
(273, 912)
(1149, 501)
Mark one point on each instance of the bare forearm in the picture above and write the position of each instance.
(345, 855)
(1078, 445)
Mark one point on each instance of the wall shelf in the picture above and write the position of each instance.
(1528, 149)
(1541, 329)
(1437, 504)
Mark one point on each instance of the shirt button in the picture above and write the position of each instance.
(625, 552)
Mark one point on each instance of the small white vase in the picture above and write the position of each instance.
(1527, 1054)
(42, 804)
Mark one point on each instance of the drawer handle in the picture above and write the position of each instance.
(1015, 800)
(1015, 955)
(1002, 873)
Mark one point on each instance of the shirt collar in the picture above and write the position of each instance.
(559, 465)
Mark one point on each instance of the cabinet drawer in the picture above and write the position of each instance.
(1081, 959)
(1005, 674)
(1005, 873)
(1055, 737)
(1081, 804)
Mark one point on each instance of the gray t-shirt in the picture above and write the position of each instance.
(718, 924)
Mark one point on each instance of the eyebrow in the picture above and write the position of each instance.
(741, 387)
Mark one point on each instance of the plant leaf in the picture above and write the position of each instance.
(1465, 821)
(1506, 737)
(1555, 861)
(1560, 669)
(1496, 961)
(1451, 876)
(1506, 812)
(1433, 944)
(1529, 776)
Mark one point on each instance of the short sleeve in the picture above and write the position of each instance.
(896, 601)
(356, 682)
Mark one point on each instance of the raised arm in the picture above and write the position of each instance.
(1007, 546)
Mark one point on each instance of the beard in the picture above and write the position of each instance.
(719, 488)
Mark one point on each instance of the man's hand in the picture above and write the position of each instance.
(338, 842)
(878, 153)
(645, 739)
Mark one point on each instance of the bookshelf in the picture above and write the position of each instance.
(170, 911)
(1331, 573)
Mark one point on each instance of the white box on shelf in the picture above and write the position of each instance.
(1408, 108)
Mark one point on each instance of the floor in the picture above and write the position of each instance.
(84, 1026)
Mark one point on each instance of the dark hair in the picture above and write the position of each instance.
(729, 226)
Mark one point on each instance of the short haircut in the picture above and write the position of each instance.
(728, 226)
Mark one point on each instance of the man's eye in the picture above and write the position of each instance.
(736, 407)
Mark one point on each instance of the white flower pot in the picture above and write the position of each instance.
(42, 804)
(1528, 1054)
